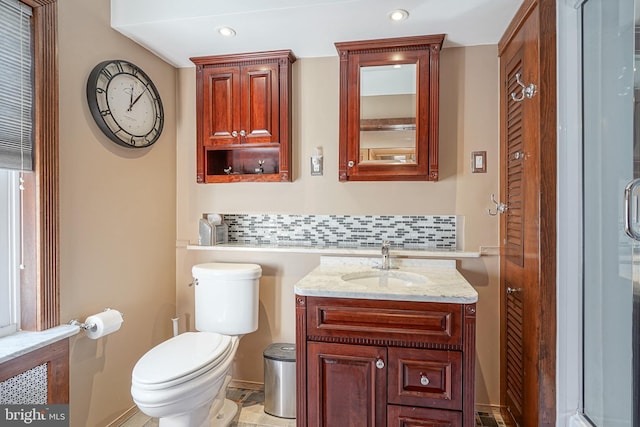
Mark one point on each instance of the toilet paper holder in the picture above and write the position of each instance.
(89, 326)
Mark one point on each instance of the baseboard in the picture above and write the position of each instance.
(487, 408)
(124, 417)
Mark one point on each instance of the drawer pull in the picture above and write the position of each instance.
(424, 380)
(379, 364)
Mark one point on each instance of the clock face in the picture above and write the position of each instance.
(125, 103)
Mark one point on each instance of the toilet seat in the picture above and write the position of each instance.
(181, 359)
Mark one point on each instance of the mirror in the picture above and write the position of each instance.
(388, 114)
(389, 109)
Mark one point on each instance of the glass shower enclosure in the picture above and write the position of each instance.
(611, 212)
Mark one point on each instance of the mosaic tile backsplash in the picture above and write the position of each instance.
(407, 232)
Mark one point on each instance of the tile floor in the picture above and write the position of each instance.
(250, 397)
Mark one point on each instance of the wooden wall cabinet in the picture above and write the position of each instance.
(384, 363)
(243, 114)
(403, 75)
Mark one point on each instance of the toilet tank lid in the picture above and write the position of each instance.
(229, 270)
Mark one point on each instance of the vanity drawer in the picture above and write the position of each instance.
(405, 416)
(429, 378)
(416, 324)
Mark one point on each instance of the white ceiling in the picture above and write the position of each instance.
(176, 30)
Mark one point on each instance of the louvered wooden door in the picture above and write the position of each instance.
(520, 224)
(528, 134)
(512, 232)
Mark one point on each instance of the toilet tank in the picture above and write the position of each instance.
(226, 297)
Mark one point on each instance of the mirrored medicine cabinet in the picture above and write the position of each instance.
(389, 91)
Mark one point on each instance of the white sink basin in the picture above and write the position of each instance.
(385, 278)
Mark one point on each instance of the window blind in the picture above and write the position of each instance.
(16, 85)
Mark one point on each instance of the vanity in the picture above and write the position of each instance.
(380, 347)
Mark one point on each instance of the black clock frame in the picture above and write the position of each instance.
(93, 90)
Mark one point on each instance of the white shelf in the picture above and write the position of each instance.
(410, 253)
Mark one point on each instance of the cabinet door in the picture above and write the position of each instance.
(405, 416)
(220, 105)
(346, 385)
(364, 101)
(260, 103)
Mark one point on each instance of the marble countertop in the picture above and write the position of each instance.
(427, 280)
(23, 342)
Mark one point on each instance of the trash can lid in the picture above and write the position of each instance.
(281, 351)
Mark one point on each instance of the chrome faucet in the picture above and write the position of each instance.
(385, 255)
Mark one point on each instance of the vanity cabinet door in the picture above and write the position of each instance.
(405, 416)
(346, 385)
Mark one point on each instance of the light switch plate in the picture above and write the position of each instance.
(479, 162)
(316, 166)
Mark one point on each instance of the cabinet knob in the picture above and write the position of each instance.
(242, 133)
(424, 380)
(234, 134)
(379, 363)
(351, 163)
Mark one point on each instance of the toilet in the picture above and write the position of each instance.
(183, 380)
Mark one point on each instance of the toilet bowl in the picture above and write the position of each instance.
(183, 380)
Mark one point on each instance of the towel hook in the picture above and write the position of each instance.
(500, 207)
(527, 91)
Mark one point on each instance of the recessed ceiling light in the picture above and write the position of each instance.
(398, 15)
(227, 31)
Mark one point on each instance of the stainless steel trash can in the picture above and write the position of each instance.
(280, 380)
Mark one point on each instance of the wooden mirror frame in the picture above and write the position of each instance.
(424, 51)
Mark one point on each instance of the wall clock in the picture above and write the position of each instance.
(125, 103)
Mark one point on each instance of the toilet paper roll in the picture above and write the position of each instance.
(103, 323)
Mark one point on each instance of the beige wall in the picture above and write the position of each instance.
(122, 209)
(117, 219)
(469, 121)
